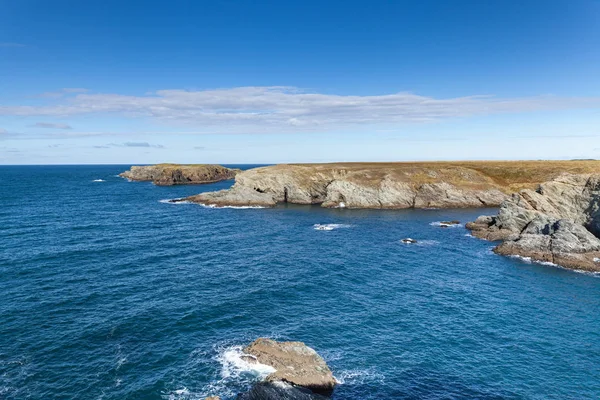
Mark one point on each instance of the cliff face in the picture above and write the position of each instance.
(558, 223)
(389, 185)
(363, 187)
(173, 174)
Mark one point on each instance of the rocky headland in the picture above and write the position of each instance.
(557, 223)
(175, 174)
(389, 185)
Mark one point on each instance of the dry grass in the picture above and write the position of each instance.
(509, 176)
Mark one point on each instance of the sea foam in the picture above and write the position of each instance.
(439, 223)
(234, 364)
(329, 227)
(98, 180)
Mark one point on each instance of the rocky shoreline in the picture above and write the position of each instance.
(558, 223)
(175, 174)
(389, 185)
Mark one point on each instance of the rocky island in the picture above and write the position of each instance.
(557, 223)
(299, 372)
(390, 185)
(176, 174)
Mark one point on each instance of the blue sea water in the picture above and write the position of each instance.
(108, 293)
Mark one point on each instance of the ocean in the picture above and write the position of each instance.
(108, 292)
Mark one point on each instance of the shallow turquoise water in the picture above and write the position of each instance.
(105, 292)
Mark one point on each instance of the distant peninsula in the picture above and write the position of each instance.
(178, 174)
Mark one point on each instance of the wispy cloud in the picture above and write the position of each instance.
(130, 144)
(51, 125)
(291, 109)
(3, 131)
(11, 44)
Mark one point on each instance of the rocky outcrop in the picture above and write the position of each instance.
(384, 186)
(558, 223)
(173, 174)
(295, 364)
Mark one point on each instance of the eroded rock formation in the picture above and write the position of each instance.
(174, 174)
(557, 223)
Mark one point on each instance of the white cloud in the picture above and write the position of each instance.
(51, 125)
(290, 109)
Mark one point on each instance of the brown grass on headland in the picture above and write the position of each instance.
(510, 176)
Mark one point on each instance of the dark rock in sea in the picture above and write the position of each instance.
(408, 241)
(447, 224)
(279, 391)
(295, 363)
(557, 223)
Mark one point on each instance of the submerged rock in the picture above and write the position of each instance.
(557, 223)
(408, 241)
(295, 363)
(447, 224)
(279, 391)
(174, 174)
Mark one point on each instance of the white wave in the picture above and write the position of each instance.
(235, 363)
(98, 180)
(469, 235)
(529, 260)
(427, 243)
(329, 227)
(441, 224)
(233, 207)
(175, 201)
(359, 377)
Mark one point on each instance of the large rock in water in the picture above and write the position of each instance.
(174, 174)
(557, 223)
(295, 363)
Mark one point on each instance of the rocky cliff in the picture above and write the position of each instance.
(559, 223)
(174, 174)
(388, 185)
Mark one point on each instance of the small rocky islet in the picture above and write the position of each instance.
(176, 174)
(299, 372)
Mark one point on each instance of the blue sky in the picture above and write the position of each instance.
(297, 81)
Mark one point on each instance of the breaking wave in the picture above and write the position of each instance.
(329, 227)
(98, 180)
(235, 363)
(175, 201)
(234, 207)
(446, 225)
(359, 377)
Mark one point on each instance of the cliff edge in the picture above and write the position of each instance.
(389, 185)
